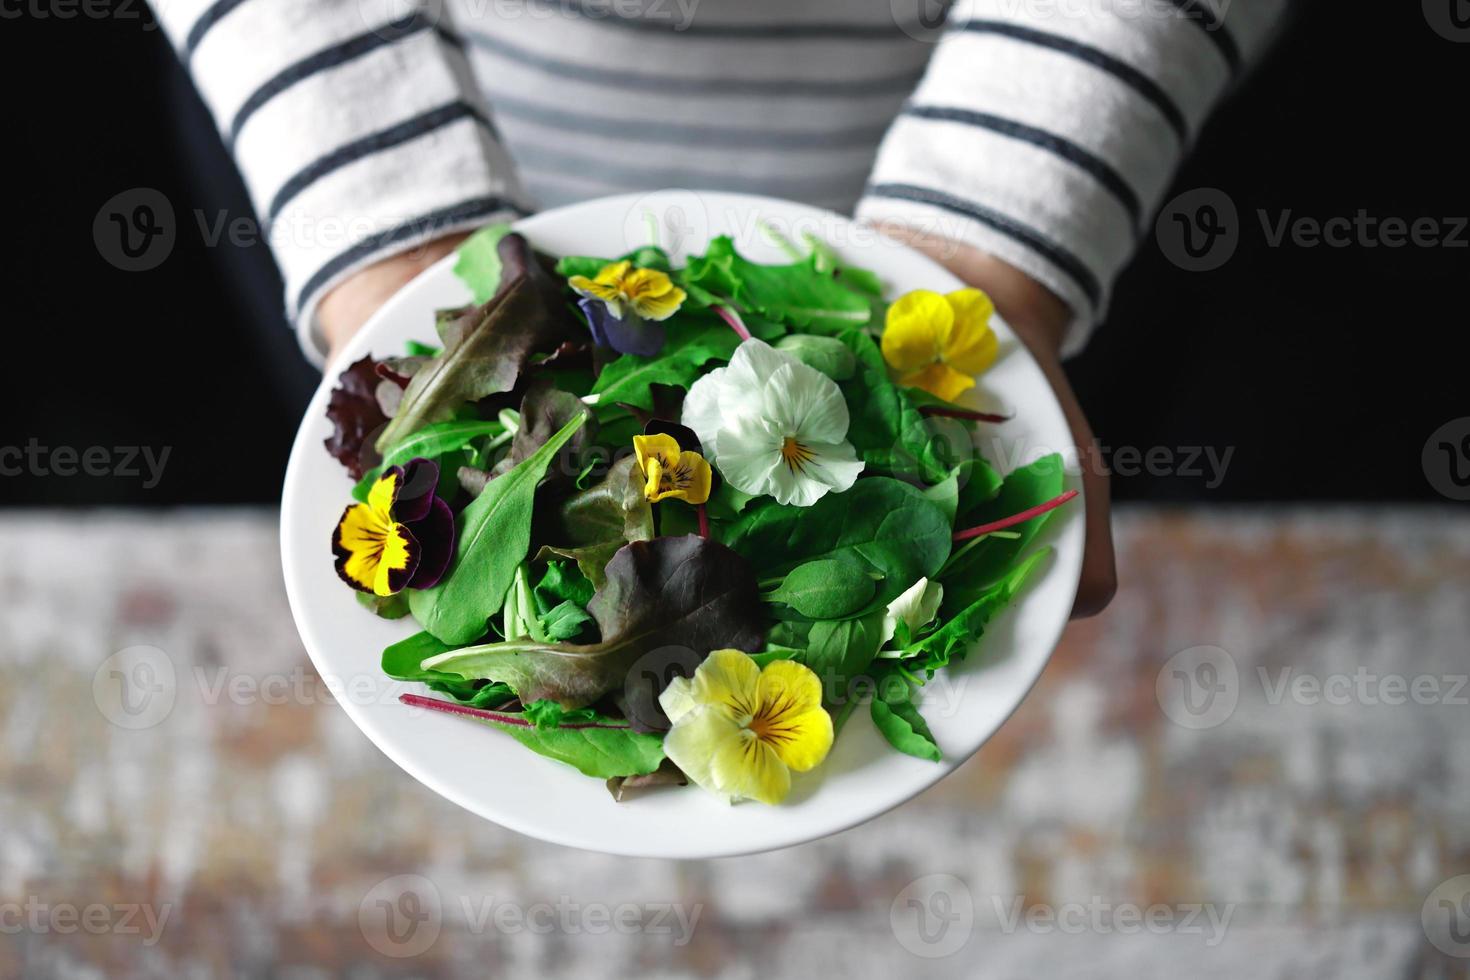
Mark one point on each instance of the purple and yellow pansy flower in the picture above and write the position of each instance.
(403, 537)
(671, 471)
(625, 306)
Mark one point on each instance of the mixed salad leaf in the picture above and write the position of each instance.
(685, 518)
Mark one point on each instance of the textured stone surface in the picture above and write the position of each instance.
(258, 829)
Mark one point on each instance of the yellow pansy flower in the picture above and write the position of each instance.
(670, 471)
(939, 343)
(739, 730)
(374, 552)
(647, 292)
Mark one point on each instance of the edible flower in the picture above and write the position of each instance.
(670, 471)
(403, 537)
(939, 343)
(624, 306)
(739, 730)
(914, 609)
(773, 425)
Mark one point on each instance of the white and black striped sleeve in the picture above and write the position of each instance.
(356, 124)
(1045, 134)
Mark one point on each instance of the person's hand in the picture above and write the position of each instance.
(1040, 318)
(344, 309)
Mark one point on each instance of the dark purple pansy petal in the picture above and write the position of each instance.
(435, 533)
(416, 491)
(683, 435)
(630, 335)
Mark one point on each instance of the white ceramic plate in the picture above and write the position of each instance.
(487, 772)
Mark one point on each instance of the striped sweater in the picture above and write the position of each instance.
(1040, 131)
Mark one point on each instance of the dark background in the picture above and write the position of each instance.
(1324, 369)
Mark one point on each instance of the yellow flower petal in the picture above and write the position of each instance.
(911, 334)
(613, 273)
(373, 555)
(652, 294)
(661, 445)
(697, 735)
(745, 766)
(382, 494)
(970, 345)
(730, 680)
(939, 380)
(791, 719)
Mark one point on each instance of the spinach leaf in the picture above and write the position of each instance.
(988, 559)
(840, 652)
(888, 431)
(494, 534)
(901, 724)
(880, 525)
(477, 261)
(827, 354)
(628, 379)
(401, 662)
(686, 592)
(825, 589)
(565, 621)
(964, 627)
(602, 747)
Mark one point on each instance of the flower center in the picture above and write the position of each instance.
(795, 455)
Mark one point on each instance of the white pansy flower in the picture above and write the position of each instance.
(772, 425)
(914, 608)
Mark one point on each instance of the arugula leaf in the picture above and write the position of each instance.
(487, 348)
(430, 442)
(565, 621)
(888, 431)
(825, 589)
(494, 534)
(881, 524)
(629, 378)
(686, 591)
(795, 294)
(901, 724)
(562, 582)
(477, 261)
(592, 524)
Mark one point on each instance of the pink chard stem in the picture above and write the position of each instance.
(1015, 519)
(963, 413)
(733, 319)
(500, 717)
